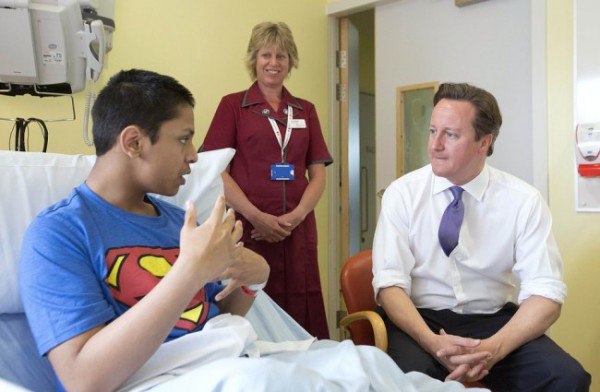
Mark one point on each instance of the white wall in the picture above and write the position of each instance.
(587, 70)
(488, 44)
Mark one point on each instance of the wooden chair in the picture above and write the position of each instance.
(363, 323)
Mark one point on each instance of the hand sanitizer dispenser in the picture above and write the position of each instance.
(587, 139)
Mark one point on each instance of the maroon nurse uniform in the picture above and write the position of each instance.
(242, 122)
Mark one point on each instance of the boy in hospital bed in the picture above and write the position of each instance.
(90, 258)
(98, 277)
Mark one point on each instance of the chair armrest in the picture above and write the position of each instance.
(379, 331)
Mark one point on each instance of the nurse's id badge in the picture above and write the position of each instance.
(282, 172)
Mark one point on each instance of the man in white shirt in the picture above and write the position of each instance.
(479, 309)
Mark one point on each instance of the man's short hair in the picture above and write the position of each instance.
(136, 97)
(487, 120)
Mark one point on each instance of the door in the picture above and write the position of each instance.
(356, 157)
(348, 96)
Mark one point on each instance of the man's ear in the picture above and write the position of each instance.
(130, 140)
(486, 141)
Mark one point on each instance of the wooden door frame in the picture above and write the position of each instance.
(338, 198)
(333, 184)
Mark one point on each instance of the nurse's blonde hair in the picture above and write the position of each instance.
(267, 34)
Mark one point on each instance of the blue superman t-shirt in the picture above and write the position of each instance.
(84, 262)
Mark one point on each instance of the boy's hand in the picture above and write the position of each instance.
(248, 268)
(212, 246)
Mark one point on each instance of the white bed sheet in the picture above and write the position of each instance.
(227, 356)
(343, 367)
(20, 363)
(326, 366)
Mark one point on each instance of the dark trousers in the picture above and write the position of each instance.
(539, 365)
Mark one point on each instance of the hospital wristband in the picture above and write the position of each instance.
(253, 289)
(247, 291)
(257, 286)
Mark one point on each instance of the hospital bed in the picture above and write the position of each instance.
(29, 182)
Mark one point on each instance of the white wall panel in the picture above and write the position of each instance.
(488, 44)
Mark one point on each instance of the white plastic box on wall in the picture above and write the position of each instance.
(587, 161)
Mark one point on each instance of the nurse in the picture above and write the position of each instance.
(277, 174)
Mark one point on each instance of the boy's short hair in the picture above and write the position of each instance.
(136, 97)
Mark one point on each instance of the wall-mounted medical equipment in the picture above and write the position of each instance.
(587, 141)
(587, 162)
(51, 47)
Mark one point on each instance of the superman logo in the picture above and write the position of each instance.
(134, 271)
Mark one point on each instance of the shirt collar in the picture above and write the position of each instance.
(253, 96)
(476, 187)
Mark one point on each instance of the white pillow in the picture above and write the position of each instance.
(204, 185)
(31, 181)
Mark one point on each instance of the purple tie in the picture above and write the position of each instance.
(451, 221)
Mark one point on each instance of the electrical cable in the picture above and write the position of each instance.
(90, 98)
(21, 125)
(20, 130)
(10, 135)
(44, 130)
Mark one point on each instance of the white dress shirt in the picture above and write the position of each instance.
(506, 251)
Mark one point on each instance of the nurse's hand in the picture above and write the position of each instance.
(291, 220)
(267, 228)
